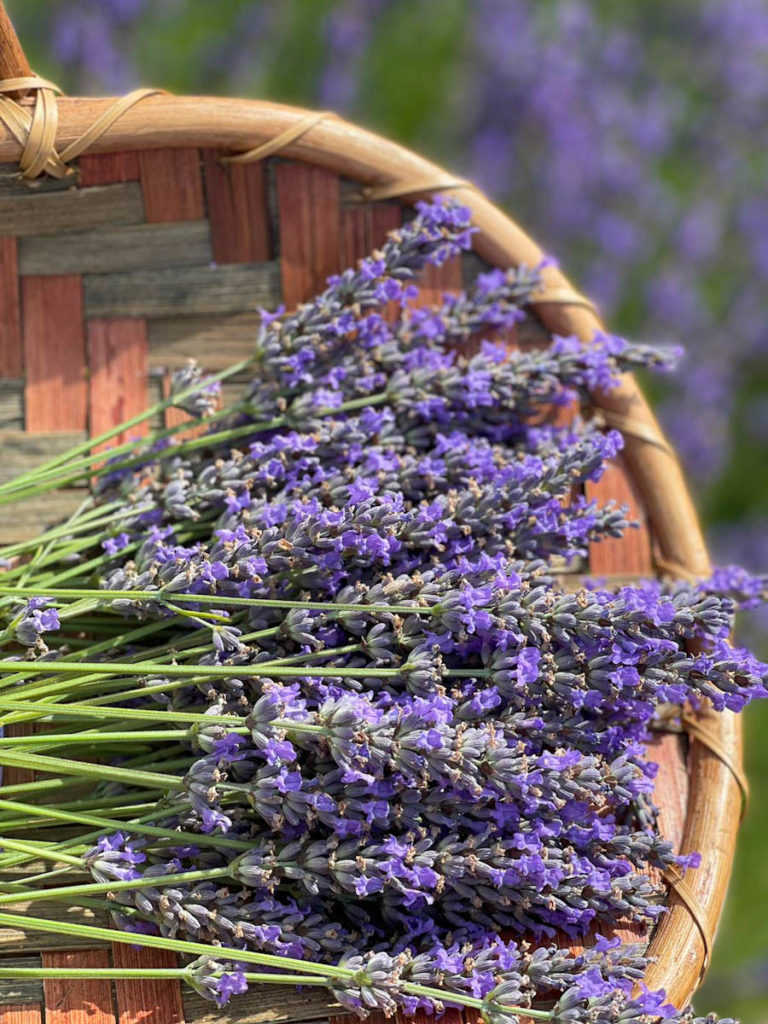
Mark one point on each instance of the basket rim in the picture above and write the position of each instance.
(235, 125)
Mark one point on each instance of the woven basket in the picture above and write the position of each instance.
(151, 250)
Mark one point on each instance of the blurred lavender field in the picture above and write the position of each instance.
(628, 138)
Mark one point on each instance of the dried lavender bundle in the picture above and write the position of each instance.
(339, 715)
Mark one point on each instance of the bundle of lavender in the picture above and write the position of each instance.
(315, 707)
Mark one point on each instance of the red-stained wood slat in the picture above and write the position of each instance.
(435, 281)
(236, 197)
(118, 361)
(384, 218)
(146, 1000)
(56, 393)
(10, 310)
(374, 1017)
(12, 776)
(354, 234)
(78, 1000)
(108, 168)
(630, 554)
(309, 220)
(364, 228)
(17, 1014)
(172, 184)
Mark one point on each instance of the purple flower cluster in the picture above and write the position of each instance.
(436, 740)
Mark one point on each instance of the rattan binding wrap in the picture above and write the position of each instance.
(375, 168)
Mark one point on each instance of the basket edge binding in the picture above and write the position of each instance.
(712, 814)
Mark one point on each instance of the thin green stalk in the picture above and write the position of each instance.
(171, 973)
(55, 556)
(114, 802)
(84, 769)
(71, 845)
(161, 942)
(37, 786)
(31, 689)
(84, 510)
(256, 670)
(34, 688)
(43, 852)
(108, 513)
(95, 888)
(100, 738)
(244, 956)
(78, 471)
(127, 812)
(133, 714)
(216, 599)
(43, 483)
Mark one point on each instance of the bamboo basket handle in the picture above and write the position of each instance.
(13, 61)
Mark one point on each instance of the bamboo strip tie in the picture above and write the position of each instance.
(697, 730)
(36, 133)
(675, 880)
(280, 141)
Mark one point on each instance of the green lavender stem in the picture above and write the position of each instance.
(43, 852)
(215, 599)
(132, 714)
(244, 956)
(108, 514)
(66, 739)
(83, 769)
(170, 973)
(94, 888)
(256, 670)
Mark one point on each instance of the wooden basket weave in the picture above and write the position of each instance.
(152, 250)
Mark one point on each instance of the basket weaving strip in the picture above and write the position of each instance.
(237, 210)
(108, 168)
(20, 1013)
(171, 185)
(10, 321)
(308, 205)
(632, 552)
(117, 361)
(77, 1000)
(55, 392)
(146, 1000)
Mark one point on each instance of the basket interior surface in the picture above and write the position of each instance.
(107, 284)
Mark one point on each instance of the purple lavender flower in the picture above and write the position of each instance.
(36, 618)
(203, 397)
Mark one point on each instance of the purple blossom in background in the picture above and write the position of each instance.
(349, 29)
(585, 150)
(90, 35)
